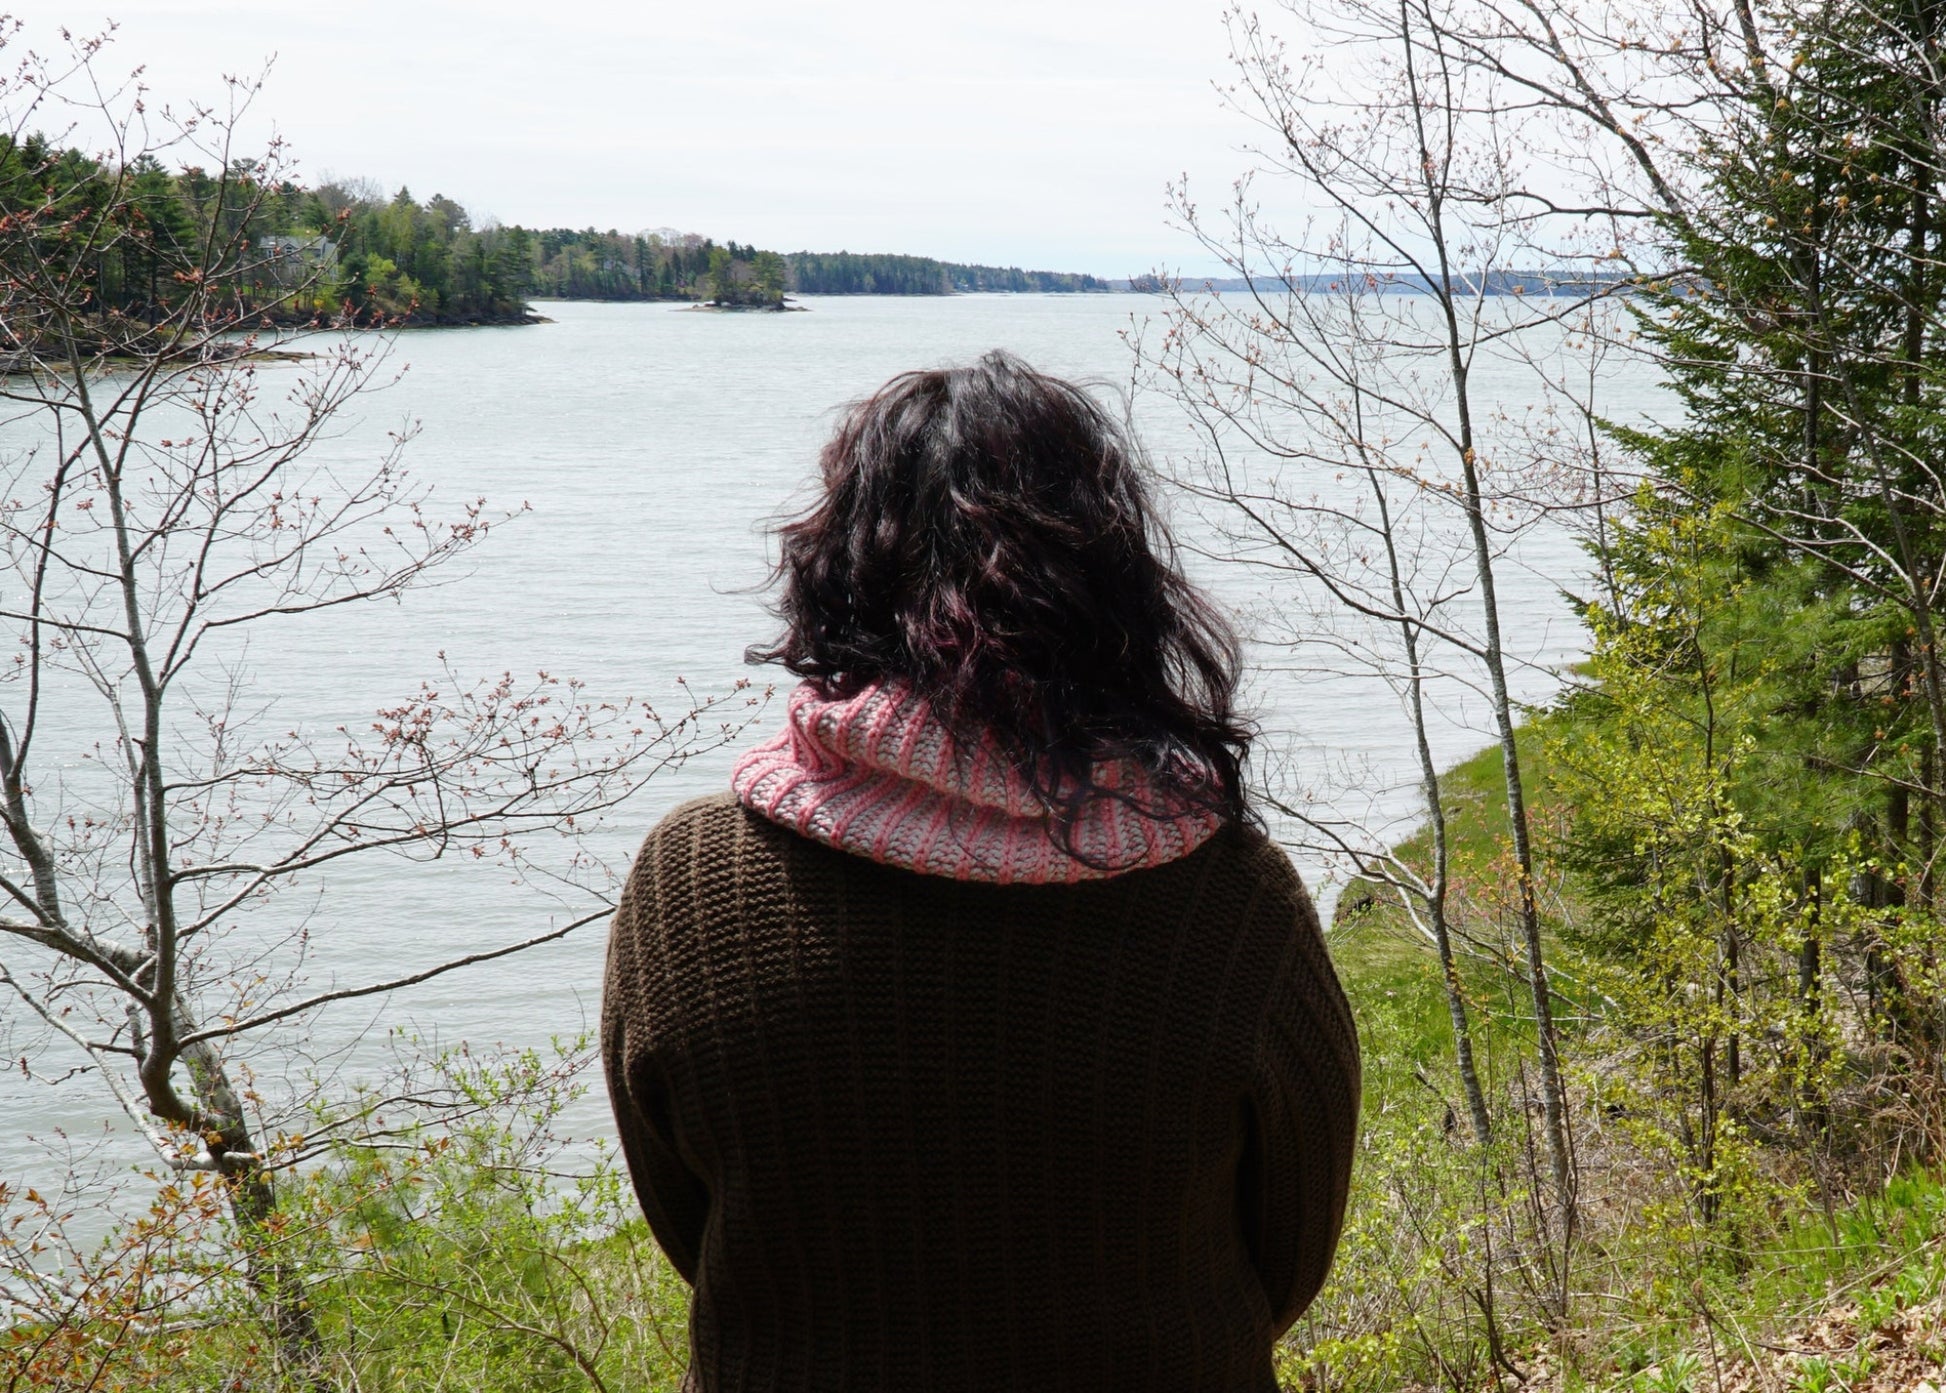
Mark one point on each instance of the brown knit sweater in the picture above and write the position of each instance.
(909, 1133)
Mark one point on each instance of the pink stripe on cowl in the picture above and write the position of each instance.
(878, 775)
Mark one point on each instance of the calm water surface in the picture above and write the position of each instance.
(653, 445)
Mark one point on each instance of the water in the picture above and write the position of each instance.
(653, 446)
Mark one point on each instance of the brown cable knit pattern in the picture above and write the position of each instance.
(910, 1133)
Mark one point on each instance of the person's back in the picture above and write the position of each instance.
(912, 1133)
(977, 1040)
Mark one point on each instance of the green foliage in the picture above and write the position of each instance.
(1423, 1290)
(1754, 769)
(768, 276)
(342, 251)
(1750, 786)
(1434, 1236)
(1676, 1374)
(1474, 795)
(1699, 844)
(722, 276)
(420, 263)
(854, 273)
(134, 1309)
(469, 1247)
(1815, 1375)
(476, 1255)
(280, 251)
(850, 273)
(591, 265)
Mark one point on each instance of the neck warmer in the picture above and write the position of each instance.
(879, 775)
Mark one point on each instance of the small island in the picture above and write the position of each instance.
(752, 281)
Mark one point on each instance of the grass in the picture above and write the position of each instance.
(1851, 1297)
(1478, 830)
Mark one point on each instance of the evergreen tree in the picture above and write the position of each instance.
(1774, 625)
(722, 276)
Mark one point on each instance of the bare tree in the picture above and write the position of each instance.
(1350, 363)
(1304, 485)
(162, 497)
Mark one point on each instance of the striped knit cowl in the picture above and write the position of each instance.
(879, 775)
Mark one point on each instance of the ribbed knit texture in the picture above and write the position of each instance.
(910, 1133)
(879, 775)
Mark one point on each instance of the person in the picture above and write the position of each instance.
(977, 1038)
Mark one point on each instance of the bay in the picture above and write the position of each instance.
(653, 447)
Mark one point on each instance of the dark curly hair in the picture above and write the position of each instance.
(985, 536)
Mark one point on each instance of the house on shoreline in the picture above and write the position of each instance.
(288, 261)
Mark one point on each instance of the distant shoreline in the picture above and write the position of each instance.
(1531, 283)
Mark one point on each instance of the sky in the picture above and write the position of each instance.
(1038, 133)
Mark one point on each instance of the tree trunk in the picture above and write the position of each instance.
(1553, 1089)
(1810, 997)
(1469, 1074)
(253, 1208)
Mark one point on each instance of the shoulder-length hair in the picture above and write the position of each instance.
(986, 537)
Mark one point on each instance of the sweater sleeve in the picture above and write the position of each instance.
(674, 1198)
(1301, 1123)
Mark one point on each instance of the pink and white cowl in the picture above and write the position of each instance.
(878, 775)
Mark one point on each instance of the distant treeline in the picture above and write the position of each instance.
(591, 265)
(1566, 280)
(346, 248)
(274, 248)
(855, 273)
(431, 255)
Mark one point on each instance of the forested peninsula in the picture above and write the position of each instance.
(345, 249)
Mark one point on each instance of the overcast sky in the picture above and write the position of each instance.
(1031, 132)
